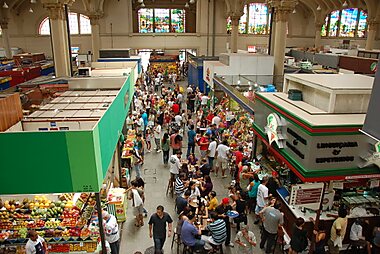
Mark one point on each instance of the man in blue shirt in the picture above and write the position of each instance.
(191, 140)
(144, 116)
(190, 232)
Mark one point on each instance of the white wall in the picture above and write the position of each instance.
(23, 31)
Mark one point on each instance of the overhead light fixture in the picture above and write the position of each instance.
(33, 1)
(30, 10)
(345, 4)
(5, 6)
(294, 11)
(142, 5)
(187, 5)
(140, 1)
(192, 1)
(319, 8)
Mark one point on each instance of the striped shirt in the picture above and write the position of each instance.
(179, 187)
(218, 231)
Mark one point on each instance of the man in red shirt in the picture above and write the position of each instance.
(176, 108)
(239, 155)
(203, 144)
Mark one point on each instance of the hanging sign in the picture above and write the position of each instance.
(275, 123)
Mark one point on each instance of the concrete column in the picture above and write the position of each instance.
(282, 15)
(198, 17)
(95, 37)
(59, 39)
(234, 33)
(372, 27)
(318, 29)
(5, 37)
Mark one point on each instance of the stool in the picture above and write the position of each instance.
(170, 188)
(217, 248)
(355, 247)
(176, 239)
(187, 249)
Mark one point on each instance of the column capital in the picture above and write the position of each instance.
(372, 24)
(56, 8)
(4, 23)
(282, 8)
(235, 20)
(319, 25)
(94, 18)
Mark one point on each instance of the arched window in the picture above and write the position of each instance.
(350, 22)
(78, 23)
(44, 28)
(255, 19)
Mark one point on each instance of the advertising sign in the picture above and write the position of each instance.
(306, 195)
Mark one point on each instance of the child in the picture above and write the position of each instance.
(246, 240)
(148, 140)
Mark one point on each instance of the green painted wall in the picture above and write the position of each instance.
(46, 162)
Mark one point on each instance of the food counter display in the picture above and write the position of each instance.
(117, 203)
(164, 64)
(64, 221)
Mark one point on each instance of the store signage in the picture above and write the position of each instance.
(373, 67)
(274, 129)
(294, 144)
(337, 149)
(362, 176)
(306, 195)
(373, 159)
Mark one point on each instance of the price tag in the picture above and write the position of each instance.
(81, 244)
(49, 247)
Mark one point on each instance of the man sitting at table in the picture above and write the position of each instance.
(218, 231)
(180, 184)
(182, 201)
(190, 233)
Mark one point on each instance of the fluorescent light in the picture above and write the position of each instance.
(142, 5)
(192, 1)
(31, 10)
(187, 5)
(294, 11)
(33, 1)
(345, 4)
(140, 1)
(319, 8)
(5, 6)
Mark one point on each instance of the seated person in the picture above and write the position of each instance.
(205, 167)
(192, 159)
(180, 184)
(202, 211)
(218, 231)
(213, 201)
(356, 235)
(182, 201)
(190, 233)
(206, 186)
(194, 190)
(196, 173)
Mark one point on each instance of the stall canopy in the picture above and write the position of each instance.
(57, 157)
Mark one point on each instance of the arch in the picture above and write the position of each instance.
(79, 24)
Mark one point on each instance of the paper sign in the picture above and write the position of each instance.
(338, 185)
(374, 183)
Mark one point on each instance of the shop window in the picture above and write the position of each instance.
(177, 21)
(258, 18)
(348, 22)
(145, 20)
(362, 24)
(334, 23)
(243, 22)
(78, 23)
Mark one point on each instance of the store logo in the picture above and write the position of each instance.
(274, 129)
(373, 66)
(373, 159)
(208, 74)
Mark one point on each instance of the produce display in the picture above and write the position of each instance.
(62, 221)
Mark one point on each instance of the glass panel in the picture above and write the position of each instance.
(178, 21)
(362, 27)
(73, 23)
(243, 21)
(257, 18)
(348, 22)
(229, 25)
(334, 20)
(324, 27)
(161, 20)
(44, 27)
(85, 25)
(145, 20)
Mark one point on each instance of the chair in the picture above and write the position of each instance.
(176, 239)
(217, 248)
(170, 188)
(187, 249)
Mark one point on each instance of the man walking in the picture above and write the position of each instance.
(157, 228)
(111, 231)
(272, 219)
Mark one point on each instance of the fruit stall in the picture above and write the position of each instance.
(65, 221)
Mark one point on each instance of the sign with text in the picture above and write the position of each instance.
(306, 195)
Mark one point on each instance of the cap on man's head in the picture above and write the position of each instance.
(225, 201)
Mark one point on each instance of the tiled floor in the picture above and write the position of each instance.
(156, 176)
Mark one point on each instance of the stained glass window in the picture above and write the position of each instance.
(145, 20)
(362, 26)
(73, 23)
(257, 23)
(84, 24)
(243, 22)
(334, 22)
(161, 20)
(348, 22)
(229, 25)
(178, 21)
(44, 28)
(324, 27)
